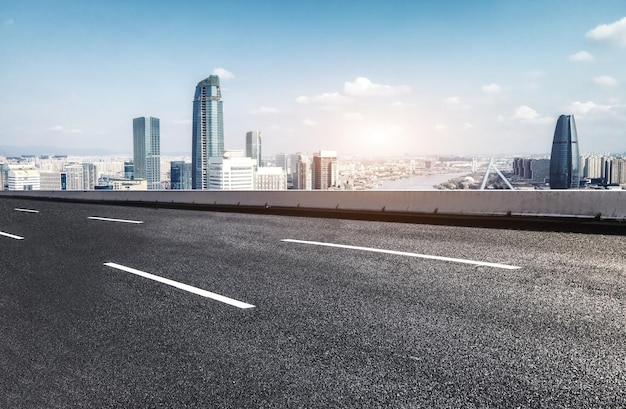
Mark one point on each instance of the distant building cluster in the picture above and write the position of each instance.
(603, 170)
(60, 173)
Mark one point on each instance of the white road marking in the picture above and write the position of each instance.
(106, 219)
(26, 210)
(403, 253)
(13, 236)
(182, 286)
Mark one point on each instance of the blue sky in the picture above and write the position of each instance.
(359, 77)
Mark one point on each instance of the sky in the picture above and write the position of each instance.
(358, 77)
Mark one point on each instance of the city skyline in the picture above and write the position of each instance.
(490, 77)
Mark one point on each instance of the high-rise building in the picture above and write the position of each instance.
(302, 178)
(180, 175)
(282, 160)
(73, 177)
(207, 129)
(292, 170)
(147, 151)
(5, 176)
(565, 159)
(325, 172)
(253, 146)
(129, 170)
(89, 176)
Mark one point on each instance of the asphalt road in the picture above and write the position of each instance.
(319, 326)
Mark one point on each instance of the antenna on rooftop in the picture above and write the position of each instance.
(488, 171)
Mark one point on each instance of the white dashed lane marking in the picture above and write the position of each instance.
(26, 210)
(12, 236)
(106, 219)
(186, 287)
(403, 253)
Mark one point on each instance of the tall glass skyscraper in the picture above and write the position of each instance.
(147, 151)
(253, 146)
(207, 129)
(565, 158)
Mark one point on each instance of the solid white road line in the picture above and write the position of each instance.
(195, 290)
(106, 219)
(26, 210)
(402, 253)
(13, 236)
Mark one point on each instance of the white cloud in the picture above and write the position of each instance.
(265, 111)
(223, 73)
(182, 121)
(452, 100)
(581, 56)
(492, 88)
(612, 33)
(9, 22)
(440, 127)
(57, 128)
(328, 98)
(468, 125)
(605, 80)
(364, 87)
(309, 122)
(527, 114)
(583, 108)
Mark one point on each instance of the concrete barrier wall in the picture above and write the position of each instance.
(603, 204)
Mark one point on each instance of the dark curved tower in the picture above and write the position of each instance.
(565, 159)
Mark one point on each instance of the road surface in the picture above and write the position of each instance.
(126, 307)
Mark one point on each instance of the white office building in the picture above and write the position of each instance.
(270, 178)
(232, 171)
(23, 178)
